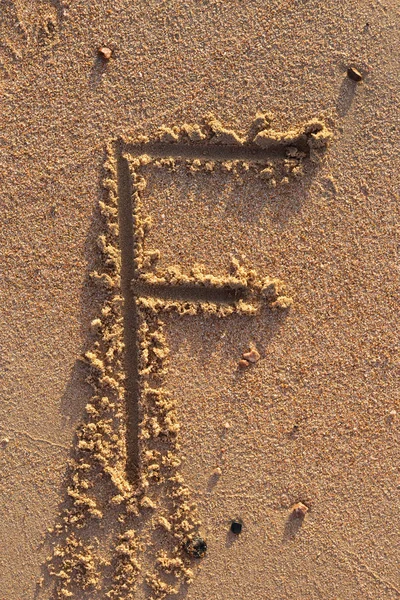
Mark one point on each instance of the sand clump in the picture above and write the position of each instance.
(105, 52)
(252, 355)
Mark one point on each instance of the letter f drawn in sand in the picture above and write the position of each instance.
(150, 292)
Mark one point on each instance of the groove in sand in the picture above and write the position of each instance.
(250, 152)
(126, 239)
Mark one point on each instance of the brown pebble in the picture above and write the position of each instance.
(105, 52)
(353, 74)
(252, 355)
(243, 364)
(299, 510)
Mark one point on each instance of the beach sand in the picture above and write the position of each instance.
(111, 458)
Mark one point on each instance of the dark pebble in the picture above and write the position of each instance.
(197, 547)
(354, 75)
(236, 527)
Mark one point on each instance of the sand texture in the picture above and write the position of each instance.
(199, 301)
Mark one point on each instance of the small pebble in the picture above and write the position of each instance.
(217, 471)
(196, 547)
(236, 527)
(252, 355)
(95, 325)
(299, 510)
(4, 441)
(243, 364)
(105, 52)
(354, 75)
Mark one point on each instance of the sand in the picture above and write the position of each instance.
(250, 230)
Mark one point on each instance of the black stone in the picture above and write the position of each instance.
(236, 527)
(196, 547)
(354, 75)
